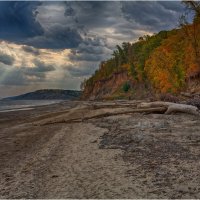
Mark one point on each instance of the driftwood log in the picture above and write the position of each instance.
(91, 114)
(171, 107)
(82, 113)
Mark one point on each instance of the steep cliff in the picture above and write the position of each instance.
(113, 87)
(105, 87)
(161, 64)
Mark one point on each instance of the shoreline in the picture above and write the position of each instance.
(17, 105)
(17, 109)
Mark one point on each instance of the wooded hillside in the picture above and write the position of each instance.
(166, 61)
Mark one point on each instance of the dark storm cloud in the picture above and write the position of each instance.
(6, 59)
(152, 14)
(57, 37)
(31, 50)
(92, 42)
(18, 24)
(176, 6)
(93, 14)
(91, 49)
(18, 20)
(69, 11)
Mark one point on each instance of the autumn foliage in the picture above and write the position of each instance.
(167, 60)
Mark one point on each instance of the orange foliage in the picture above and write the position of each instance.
(126, 66)
(192, 66)
(164, 67)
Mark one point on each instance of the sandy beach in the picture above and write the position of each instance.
(64, 151)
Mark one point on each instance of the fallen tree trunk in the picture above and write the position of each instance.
(114, 104)
(172, 107)
(139, 110)
(77, 115)
(91, 115)
(154, 104)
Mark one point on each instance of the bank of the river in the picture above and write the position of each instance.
(58, 151)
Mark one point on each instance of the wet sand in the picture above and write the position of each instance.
(63, 151)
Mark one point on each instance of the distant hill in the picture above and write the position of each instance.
(48, 94)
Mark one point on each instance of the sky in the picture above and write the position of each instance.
(59, 44)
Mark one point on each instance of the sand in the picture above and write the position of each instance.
(57, 152)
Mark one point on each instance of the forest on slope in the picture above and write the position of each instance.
(164, 62)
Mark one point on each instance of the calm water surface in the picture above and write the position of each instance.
(14, 105)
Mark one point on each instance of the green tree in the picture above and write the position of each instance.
(126, 87)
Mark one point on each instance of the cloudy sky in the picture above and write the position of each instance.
(59, 44)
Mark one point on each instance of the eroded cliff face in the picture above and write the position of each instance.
(106, 87)
(111, 88)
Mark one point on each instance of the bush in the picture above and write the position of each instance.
(126, 87)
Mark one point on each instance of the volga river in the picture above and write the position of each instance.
(15, 105)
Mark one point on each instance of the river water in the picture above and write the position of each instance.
(15, 105)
